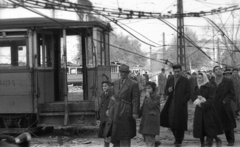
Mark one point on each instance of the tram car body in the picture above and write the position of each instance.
(74, 75)
(33, 72)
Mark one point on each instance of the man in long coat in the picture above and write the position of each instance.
(224, 94)
(162, 80)
(175, 112)
(123, 110)
(236, 82)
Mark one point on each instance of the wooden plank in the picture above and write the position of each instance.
(73, 107)
(62, 114)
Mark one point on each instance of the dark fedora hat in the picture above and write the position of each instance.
(124, 68)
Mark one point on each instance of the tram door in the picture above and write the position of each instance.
(45, 67)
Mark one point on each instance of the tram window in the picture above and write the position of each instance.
(79, 70)
(90, 51)
(102, 49)
(73, 71)
(13, 52)
(45, 52)
(98, 48)
(107, 61)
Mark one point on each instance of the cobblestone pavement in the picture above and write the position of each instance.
(88, 137)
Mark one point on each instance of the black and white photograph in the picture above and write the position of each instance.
(119, 73)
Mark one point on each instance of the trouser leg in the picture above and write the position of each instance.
(150, 140)
(106, 144)
(107, 141)
(179, 136)
(209, 141)
(202, 141)
(116, 143)
(125, 143)
(230, 135)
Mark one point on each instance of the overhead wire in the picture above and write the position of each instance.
(212, 3)
(116, 22)
(39, 13)
(125, 29)
(188, 39)
(219, 29)
(150, 45)
(139, 33)
(169, 6)
(211, 37)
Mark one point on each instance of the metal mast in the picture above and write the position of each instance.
(181, 52)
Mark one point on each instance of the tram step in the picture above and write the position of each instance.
(74, 118)
(62, 114)
(81, 106)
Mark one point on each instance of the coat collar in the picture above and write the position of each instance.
(122, 89)
(207, 85)
(224, 80)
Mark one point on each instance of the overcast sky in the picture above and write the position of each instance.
(150, 28)
(153, 29)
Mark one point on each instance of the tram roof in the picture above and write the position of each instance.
(40, 22)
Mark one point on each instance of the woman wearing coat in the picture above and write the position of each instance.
(206, 120)
(105, 98)
(150, 122)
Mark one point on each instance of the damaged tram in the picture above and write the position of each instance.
(33, 72)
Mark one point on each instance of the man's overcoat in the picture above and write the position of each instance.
(206, 121)
(236, 83)
(175, 112)
(121, 124)
(224, 94)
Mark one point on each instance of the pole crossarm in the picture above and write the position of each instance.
(118, 13)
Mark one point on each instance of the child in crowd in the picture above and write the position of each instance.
(105, 98)
(150, 113)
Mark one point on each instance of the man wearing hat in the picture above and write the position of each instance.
(236, 81)
(123, 109)
(227, 73)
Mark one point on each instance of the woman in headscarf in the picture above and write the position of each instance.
(206, 120)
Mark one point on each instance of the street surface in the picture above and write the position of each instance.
(87, 137)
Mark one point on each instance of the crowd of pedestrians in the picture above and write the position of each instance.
(215, 94)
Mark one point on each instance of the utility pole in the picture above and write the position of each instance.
(214, 59)
(150, 59)
(164, 48)
(181, 52)
(218, 52)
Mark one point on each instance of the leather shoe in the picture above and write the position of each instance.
(230, 144)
